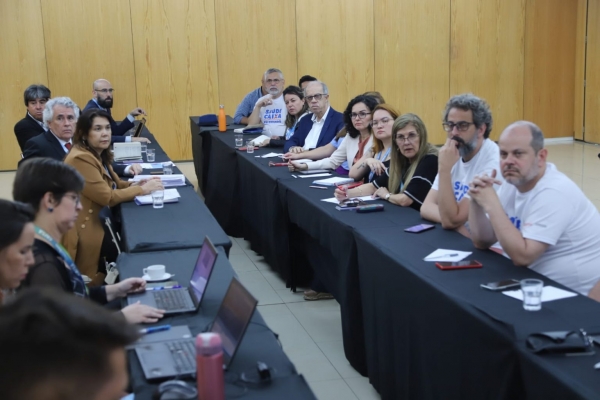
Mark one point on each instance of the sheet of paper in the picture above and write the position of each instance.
(447, 255)
(313, 175)
(336, 180)
(167, 180)
(171, 196)
(549, 293)
(271, 155)
(335, 201)
(156, 165)
(257, 141)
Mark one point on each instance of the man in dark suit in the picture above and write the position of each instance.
(102, 98)
(320, 128)
(32, 125)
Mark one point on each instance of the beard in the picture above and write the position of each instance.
(273, 91)
(105, 103)
(465, 148)
(523, 179)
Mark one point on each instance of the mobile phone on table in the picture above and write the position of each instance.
(419, 228)
(464, 264)
(501, 285)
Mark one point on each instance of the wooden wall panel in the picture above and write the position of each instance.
(253, 36)
(87, 40)
(592, 90)
(23, 63)
(579, 102)
(175, 67)
(412, 58)
(486, 55)
(336, 45)
(549, 92)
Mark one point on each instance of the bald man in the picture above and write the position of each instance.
(102, 97)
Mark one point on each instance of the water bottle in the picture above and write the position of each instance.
(209, 361)
(222, 119)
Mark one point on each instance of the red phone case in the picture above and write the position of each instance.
(473, 264)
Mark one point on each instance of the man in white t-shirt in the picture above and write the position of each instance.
(466, 153)
(270, 110)
(540, 217)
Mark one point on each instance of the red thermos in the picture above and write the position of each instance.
(222, 119)
(209, 361)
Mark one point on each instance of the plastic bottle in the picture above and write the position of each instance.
(209, 361)
(222, 119)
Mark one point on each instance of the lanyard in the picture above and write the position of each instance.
(378, 157)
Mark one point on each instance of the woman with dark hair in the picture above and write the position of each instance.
(296, 107)
(413, 167)
(16, 241)
(52, 189)
(357, 118)
(91, 157)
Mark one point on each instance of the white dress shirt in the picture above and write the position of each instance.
(313, 136)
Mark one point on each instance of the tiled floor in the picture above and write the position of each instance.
(310, 332)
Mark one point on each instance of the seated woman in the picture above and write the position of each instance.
(52, 189)
(357, 118)
(325, 151)
(413, 167)
(297, 108)
(376, 159)
(16, 241)
(91, 157)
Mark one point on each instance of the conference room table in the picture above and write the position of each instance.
(258, 344)
(414, 330)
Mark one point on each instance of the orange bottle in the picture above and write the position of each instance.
(222, 119)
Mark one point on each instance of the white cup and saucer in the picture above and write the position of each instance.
(156, 273)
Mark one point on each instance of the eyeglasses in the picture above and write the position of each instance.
(461, 126)
(410, 138)
(317, 97)
(105, 90)
(360, 115)
(75, 197)
(382, 121)
(273, 80)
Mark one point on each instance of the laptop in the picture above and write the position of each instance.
(173, 353)
(139, 128)
(185, 299)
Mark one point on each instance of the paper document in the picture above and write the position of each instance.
(271, 155)
(549, 293)
(156, 165)
(335, 201)
(337, 180)
(314, 175)
(171, 196)
(127, 151)
(259, 140)
(447, 255)
(167, 180)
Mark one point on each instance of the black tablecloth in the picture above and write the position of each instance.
(259, 343)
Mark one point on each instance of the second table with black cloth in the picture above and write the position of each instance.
(258, 344)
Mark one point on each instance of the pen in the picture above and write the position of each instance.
(445, 255)
(165, 287)
(294, 176)
(154, 329)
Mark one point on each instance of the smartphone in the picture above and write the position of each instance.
(464, 264)
(419, 228)
(501, 285)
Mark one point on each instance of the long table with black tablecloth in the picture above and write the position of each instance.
(414, 330)
(258, 344)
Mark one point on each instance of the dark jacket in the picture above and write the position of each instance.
(334, 122)
(26, 129)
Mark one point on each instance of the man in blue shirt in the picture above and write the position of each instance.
(245, 108)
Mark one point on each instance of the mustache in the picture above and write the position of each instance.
(460, 141)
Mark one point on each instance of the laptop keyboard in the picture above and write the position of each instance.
(170, 299)
(184, 355)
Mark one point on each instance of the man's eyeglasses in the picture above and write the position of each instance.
(382, 121)
(317, 97)
(410, 138)
(359, 115)
(105, 90)
(273, 80)
(461, 126)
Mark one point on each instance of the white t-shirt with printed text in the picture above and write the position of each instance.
(556, 212)
(273, 117)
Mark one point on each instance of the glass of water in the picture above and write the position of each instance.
(239, 140)
(144, 147)
(150, 155)
(167, 168)
(158, 199)
(249, 146)
(532, 294)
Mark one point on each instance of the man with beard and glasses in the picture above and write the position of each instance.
(102, 98)
(468, 151)
(270, 110)
(540, 217)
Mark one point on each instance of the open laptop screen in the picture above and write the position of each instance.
(202, 270)
(233, 318)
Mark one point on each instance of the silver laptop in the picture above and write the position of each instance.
(173, 354)
(185, 299)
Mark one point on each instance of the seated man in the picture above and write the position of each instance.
(540, 217)
(35, 97)
(102, 98)
(245, 108)
(468, 151)
(270, 110)
(303, 82)
(320, 128)
(56, 346)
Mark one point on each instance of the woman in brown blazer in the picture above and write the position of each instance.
(90, 155)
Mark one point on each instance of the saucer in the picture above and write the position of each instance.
(165, 277)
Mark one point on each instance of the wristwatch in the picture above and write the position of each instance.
(387, 196)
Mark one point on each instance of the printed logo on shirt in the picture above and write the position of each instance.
(516, 221)
(273, 116)
(460, 190)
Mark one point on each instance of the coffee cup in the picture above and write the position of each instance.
(155, 271)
